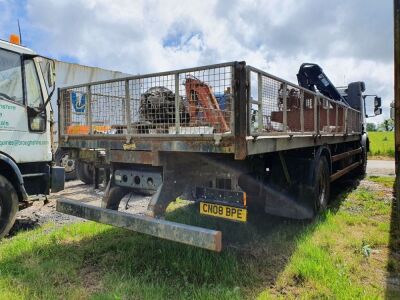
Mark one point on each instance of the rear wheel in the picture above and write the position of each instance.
(85, 172)
(63, 159)
(321, 186)
(8, 206)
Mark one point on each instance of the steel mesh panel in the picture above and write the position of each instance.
(267, 102)
(75, 113)
(152, 104)
(294, 103)
(200, 101)
(208, 101)
(107, 108)
(279, 107)
(188, 102)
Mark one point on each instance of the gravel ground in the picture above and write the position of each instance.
(42, 212)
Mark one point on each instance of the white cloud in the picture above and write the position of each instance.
(276, 35)
(8, 21)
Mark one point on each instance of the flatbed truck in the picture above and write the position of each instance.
(231, 137)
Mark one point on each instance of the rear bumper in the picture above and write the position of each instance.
(186, 234)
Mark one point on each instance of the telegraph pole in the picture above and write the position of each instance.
(396, 13)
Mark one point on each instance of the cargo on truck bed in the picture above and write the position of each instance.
(229, 136)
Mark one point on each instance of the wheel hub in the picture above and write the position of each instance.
(68, 163)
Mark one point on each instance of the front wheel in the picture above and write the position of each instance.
(361, 170)
(8, 206)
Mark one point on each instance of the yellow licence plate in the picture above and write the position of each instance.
(222, 211)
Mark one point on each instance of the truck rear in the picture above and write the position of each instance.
(232, 138)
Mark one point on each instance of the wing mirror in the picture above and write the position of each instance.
(377, 111)
(377, 105)
(377, 102)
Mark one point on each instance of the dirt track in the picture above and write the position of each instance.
(381, 167)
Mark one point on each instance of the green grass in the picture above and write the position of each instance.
(387, 181)
(342, 255)
(381, 144)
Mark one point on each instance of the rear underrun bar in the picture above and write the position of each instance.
(182, 233)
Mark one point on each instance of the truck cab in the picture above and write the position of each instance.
(26, 170)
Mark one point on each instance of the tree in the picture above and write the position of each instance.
(371, 127)
(387, 125)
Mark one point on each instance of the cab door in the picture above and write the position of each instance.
(23, 126)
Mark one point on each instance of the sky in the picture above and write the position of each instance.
(350, 40)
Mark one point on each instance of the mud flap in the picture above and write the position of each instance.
(286, 205)
(278, 202)
(57, 179)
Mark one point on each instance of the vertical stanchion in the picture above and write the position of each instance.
(128, 108)
(327, 115)
(260, 104)
(89, 109)
(302, 110)
(336, 118)
(316, 123)
(177, 104)
(284, 99)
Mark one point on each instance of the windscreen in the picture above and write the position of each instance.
(10, 77)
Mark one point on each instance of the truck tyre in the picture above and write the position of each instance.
(84, 171)
(321, 186)
(361, 170)
(8, 206)
(63, 159)
(113, 196)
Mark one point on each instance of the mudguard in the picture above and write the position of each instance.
(365, 141)
(18, 176)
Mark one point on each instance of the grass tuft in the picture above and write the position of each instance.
(381, 143)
